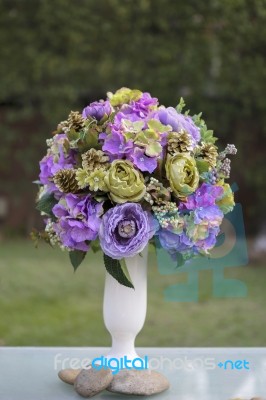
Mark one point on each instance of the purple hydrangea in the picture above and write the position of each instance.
(125, 230)
(210, 241)
(97, 110)
(212, 214)
(202, 219)
(169, 116)
(143, 162)
(206, 195)
(115, 145)
(51, 163)
(142, 107)
(205, 215)
(173, 242)
(139, 110)
(78, 221)
(126, 113)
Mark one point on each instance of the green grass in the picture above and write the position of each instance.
(43, 303)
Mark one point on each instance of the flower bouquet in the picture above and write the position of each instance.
(124, 172)
(127, 170)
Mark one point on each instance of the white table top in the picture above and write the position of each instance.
(30, 373)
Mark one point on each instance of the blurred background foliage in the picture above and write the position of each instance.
(59, 55)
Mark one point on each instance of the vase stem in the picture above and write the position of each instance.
(124, 309)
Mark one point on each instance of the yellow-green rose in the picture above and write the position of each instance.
(124, 182)
(226, 202)
(182, 173)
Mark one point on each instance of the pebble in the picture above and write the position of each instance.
(90, 381)
(253, 398)
(257, 398)
(138, 382)
(68, 375)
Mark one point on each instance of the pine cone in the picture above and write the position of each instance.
(75, 121)
(94, 159)
(65, 180)
(179, 142)
(209, 153)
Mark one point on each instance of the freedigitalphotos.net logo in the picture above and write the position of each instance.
(184, 363)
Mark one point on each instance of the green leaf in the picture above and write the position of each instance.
(207, 136)
(202, 166)
(72, 135)
(220, 240)
(125, 270)
(76, 258)
(95, 246)
(180, 260)
(91, 139)
(180, 105)
(114, 268)
(46, 204)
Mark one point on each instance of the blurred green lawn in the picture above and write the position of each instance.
(43, 303)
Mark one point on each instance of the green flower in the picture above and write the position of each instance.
(124, 182)
(182, 173)
(92, 179)
(96, 180)
(226, 202)
(124, 96)
(82, 177)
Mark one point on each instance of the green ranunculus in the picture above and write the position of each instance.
(124, 182)
(182, 173)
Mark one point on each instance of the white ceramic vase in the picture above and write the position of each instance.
(124, 309)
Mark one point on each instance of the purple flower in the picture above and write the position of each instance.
(212, 214)
(174, 243)
(141, 107)
(53, 162)
(143, 162)
(136, 110)
(126, 113)
(202, 205)
(97, 110)
(125, 230)
(147, 101)
(115, 145)
(209, 242)
(205, 196)
(78, 221)
(169, 116)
